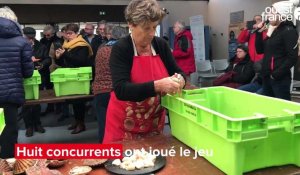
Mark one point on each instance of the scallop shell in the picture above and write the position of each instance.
(4, 166)
(22, 164)
(94, 162)
(11, 162)
(56, 163)
(8, 173)
(80, 170)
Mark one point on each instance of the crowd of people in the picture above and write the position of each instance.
(131, 72)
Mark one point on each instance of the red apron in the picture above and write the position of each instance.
(126, 120)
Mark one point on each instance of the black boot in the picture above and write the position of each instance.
(40, 129)
(73, 125)
(79, 128)
(29, 132)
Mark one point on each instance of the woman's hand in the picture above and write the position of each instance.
(35, 59)
(179, 78)
(167, 85)
(59, 52)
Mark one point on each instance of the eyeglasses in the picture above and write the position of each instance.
(102, 29)
(70, 33)
(48, 35)
(88, 29)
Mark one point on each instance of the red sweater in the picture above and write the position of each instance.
(184, 52)
(102, 82)
(246, 36)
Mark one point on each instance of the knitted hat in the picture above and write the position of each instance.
(29, 32)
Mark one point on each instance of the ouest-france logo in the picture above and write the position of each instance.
(283, 14)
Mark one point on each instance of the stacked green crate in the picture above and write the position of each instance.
(31, 86)
(244, 131)
(71, 81)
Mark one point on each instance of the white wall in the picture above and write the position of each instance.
(219, 19)
(180, 10)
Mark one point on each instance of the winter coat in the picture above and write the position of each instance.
(15, 62)
(184, 52)
(281, 51)
(243, 70)
(247, 36)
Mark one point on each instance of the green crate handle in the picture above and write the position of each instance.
(194, 91)
(72, 79)
(276, 122)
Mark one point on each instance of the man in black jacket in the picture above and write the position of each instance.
(281, 52)
(42, 61)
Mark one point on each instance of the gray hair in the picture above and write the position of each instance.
(118, 32)
(49, 28)
(102, 22)
(143, 11)
(181, 24)
(108, 28)
(6, 12)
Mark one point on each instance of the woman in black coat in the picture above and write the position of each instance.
(239, 72)
(280, 50)
(75, 52)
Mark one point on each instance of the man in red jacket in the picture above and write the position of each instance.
(248, 35)
(183, 48)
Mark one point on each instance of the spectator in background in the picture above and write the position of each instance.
(94, 40)
(249, 36)
(280, 50)
(232, 45)
(102, 85)
(239, 71)
(41, 60)
(63, 107)
(15, 65)
(255, 85)
(75, 52)
(101, 30)
(49, 38)
(54, 46)
(183, 49)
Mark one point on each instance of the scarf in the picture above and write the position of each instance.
(76, 42)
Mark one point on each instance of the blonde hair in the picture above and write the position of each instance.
(143, 11)
(6, 12)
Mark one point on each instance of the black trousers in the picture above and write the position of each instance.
(277, 88)
(9, 136)
(31, 115)
(79, 109)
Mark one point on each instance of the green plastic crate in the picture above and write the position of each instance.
(245, 131)
(31, 86)
(2, 120)
(71, 81)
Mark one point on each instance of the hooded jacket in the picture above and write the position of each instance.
(184, 52)
(15, 62)
(280, 49)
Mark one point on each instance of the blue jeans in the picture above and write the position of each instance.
(100, 104)
(252, 87)
(277, 88)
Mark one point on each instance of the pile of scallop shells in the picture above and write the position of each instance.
(4, 166)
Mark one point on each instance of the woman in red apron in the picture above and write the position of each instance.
(142, 68)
